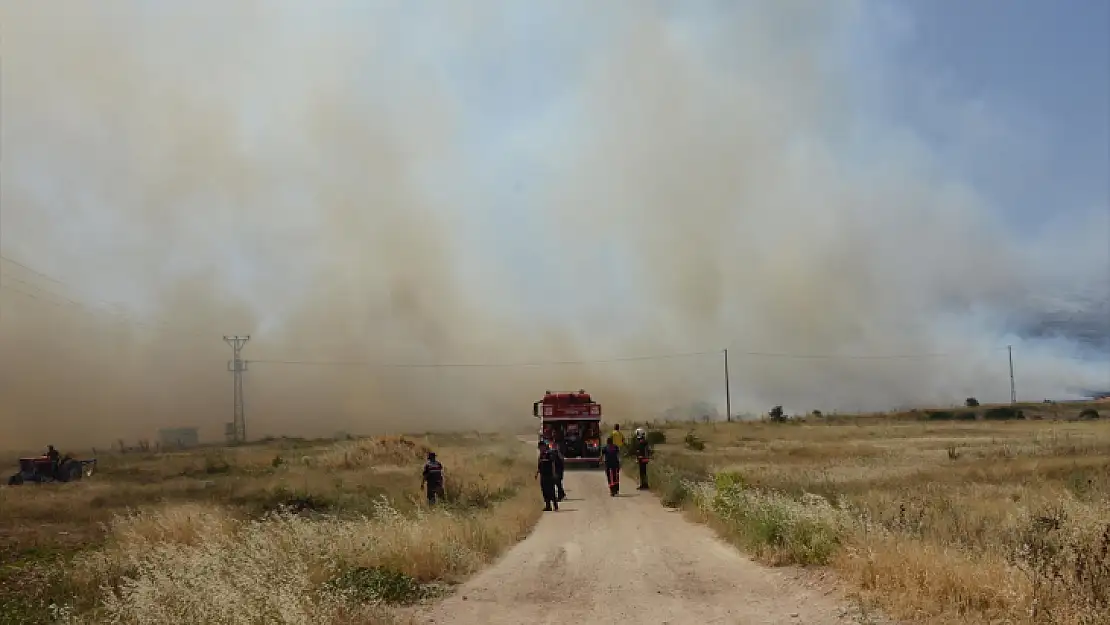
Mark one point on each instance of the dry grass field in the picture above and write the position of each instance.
(281, 532)
(928, 517)
(932, 516)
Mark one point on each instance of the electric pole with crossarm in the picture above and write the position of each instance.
(237, 429)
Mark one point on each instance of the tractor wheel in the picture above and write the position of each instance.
(68, 472)
(72, 472)
(15, 480)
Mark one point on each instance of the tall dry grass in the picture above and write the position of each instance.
(953, 522)
(218, 541)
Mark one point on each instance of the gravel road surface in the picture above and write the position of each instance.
(627, 559)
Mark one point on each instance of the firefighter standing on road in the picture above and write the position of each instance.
(433, 478)
(643, 456)
(612, 455)
(617, 436)
(545, 471)
(560, 464)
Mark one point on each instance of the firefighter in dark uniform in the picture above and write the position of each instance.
(433, 478)
(560, 464)
(612, 455)
(545, 471)
(55, 460)
(643, 456)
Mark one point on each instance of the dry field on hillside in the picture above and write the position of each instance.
(282, 532)
(938, 520)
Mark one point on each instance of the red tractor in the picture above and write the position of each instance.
(573, 422)
(39, 469)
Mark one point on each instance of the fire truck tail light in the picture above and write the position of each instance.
(595, 410)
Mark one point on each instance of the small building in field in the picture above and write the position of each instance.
(179, 437)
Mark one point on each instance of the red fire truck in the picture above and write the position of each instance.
(573, 422)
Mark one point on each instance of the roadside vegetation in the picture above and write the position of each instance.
(287, 531)
(975, 515)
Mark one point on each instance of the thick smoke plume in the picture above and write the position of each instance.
(350, 183)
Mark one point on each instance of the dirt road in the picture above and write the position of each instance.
(628, 559)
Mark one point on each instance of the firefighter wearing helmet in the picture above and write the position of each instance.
(643, 455)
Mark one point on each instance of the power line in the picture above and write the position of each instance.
(377, 365)
(717, 352)
(38, 288)
(101, 306)
(81, 306)
(864, 356)
(33, 270)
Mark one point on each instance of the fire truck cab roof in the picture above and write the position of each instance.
(580, 397)
(563, 406)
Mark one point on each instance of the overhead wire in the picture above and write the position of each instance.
(664, 356)
(99, 307)
(434, 365)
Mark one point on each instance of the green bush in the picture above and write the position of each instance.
(779, 529)
(656, 437)
(674, 486)
(371, 584)
(1003, 413)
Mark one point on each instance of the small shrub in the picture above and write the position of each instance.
(656, 437)
(370, 584)
(673, 486)
(953, 452)
(693, 442)
(216, 465)
(1068, 567)
(467, 494)
(940, 415)
(777, 415)
(971, 402)
(1003, 413)
(1090, 414)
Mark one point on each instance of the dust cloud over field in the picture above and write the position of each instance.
(320, 179)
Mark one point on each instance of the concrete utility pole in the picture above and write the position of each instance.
(1013, 389)
(238, 430)
(728, 391)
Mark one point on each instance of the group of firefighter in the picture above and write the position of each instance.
(550, 464)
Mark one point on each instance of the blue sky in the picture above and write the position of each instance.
(1043, 63)
(1042, 66)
